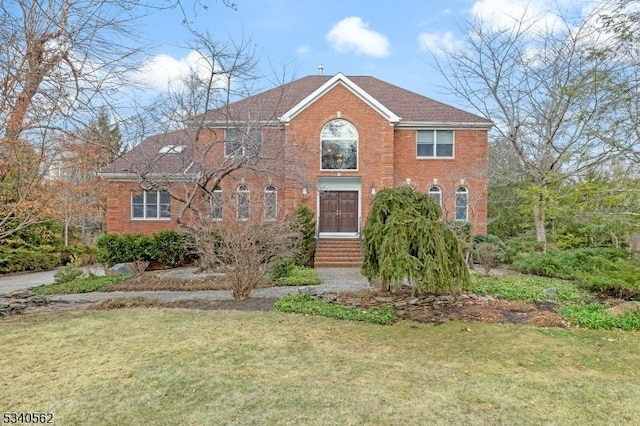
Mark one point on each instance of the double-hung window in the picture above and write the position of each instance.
(150, 205)
(436, 195)
(462, 203)
(216, 203)
(270, 203)
(238, 143)
(243, 202)
(434, 143)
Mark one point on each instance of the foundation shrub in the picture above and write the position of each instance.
(167, 247)
(305, 249)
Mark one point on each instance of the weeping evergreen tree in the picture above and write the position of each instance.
(405, 241)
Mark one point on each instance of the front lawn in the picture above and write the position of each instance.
(173, 366)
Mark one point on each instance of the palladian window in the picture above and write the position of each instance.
(339, 146)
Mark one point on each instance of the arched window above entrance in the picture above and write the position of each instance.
(339, 146)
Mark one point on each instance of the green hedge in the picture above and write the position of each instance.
(167, 247)
(26, 259)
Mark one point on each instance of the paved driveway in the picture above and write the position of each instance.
(333, 280)
(27, 280)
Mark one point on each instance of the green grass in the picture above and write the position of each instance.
(528, 288)
(303, 304)
(298, 275)
(80, 285)
(173, 366)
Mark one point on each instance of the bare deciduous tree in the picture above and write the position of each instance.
(545, 91)
(60, 61)
(219, 136)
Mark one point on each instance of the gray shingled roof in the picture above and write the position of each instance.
(146, 158)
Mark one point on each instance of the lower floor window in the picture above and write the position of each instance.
(216, 203)
(462, 203)
(270, 203)
(243, 202)
(436, 195)
(151, 205)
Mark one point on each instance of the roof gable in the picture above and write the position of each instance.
(351, 86)
(400, 106)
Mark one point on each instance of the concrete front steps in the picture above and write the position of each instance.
(338, 253)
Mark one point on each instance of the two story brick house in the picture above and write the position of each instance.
(335, 141)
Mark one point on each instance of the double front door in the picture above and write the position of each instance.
(339, 211)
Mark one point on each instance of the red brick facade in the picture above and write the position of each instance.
(386, 157)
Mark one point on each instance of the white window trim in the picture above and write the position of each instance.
(435, 145)
(218, 190)
(462, 190)
(438, 191)
(144, 207)
(227, 140)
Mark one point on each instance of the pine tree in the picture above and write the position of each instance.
(405, 241)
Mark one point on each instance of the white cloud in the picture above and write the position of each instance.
(438, 42)
(502, 14)
(163, 71)
(303, 50)
(353, 35)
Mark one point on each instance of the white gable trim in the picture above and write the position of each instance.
(330, 84)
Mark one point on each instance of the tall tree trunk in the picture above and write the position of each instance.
(539, 220)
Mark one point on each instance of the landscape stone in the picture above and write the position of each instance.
(122, 268)
(632, 306)
(550, 293)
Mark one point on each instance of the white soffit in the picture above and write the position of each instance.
(330, 84)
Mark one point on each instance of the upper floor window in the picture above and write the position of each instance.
(270, 203)
(462, 203)
(151, 205)
(243, 202)
(435, 143)
(339, 145)
(436, 195)
(238, 143)
(216, 203)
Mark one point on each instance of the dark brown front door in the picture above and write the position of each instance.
(339, 211)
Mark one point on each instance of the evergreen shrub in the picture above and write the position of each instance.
(167, 247)
(406, 242)
(28, 259)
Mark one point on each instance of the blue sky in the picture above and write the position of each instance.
(388, 40)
